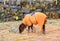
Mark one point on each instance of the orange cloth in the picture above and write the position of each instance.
(26, 20)
(38, 18)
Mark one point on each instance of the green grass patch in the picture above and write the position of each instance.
(19, 40)
(31, 39)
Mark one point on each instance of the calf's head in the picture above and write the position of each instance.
(21, 27)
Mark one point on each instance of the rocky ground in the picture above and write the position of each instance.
(9, 32)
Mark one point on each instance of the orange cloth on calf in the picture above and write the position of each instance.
(40, 18)
(33, 19)
(26, 20)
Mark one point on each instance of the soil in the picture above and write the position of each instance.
(9, 32)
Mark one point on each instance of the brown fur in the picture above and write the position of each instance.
(21, 28)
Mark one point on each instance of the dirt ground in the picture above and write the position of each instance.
(9, 32)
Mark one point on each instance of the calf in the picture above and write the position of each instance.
(38, 18)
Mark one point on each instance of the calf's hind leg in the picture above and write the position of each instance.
(44, 29)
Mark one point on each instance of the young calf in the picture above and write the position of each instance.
(38, 18)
